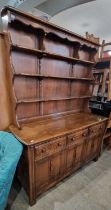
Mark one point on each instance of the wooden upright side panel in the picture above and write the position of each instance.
(5, 107)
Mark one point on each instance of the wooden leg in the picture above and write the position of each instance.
(32, 201)
(32, 192)
(8, 207)
(96, 159)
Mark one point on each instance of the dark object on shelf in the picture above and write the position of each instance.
(100, 107)
(102, 65)
(107, 106)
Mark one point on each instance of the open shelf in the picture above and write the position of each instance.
(50, 99)
(49, 76)
(51, 71)
(41, 54)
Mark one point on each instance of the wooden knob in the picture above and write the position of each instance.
(84, 134)
(59, 144)
(43, 150)
(73, 139)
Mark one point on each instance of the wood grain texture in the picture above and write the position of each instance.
(6, 117)
(51, 81)
(36, 132)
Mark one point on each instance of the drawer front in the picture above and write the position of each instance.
(97, 130)
(58, 145)
(49, 148)
(42, 151)
(77, 137)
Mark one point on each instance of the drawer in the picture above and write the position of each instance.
(96, 130)
(58, 144)
(42, 151)
(49, 148)
(77, 137)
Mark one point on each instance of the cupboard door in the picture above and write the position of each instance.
(70, 157)
(79, 149)
(97, 145)
(93, 147)
(42, 174)
(74, 156)
(57, 165)
(89, 148)
(63, 162)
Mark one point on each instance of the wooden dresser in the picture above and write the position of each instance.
(49, 72)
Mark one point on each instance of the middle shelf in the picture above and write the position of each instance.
(49, 76)
(41, 54)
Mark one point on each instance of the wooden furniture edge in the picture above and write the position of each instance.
(12, 9)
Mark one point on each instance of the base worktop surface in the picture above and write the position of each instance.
(39, 131)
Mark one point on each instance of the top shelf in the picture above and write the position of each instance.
(41, 54)
(32, 20)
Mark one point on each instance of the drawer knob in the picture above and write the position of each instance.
(73, 139)
(43, 150)
(84, 134)
(59, 144)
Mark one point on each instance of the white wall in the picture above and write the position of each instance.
(94, 17)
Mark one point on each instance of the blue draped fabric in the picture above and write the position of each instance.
(10, 152)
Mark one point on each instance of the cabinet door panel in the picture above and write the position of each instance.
(92, 147)
(63, 162)
(97, 144)
(70, 157)
(79, 153)
(42, 174)
(89, 148)
(57, 165)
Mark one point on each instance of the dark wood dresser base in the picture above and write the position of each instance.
(55, 148)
